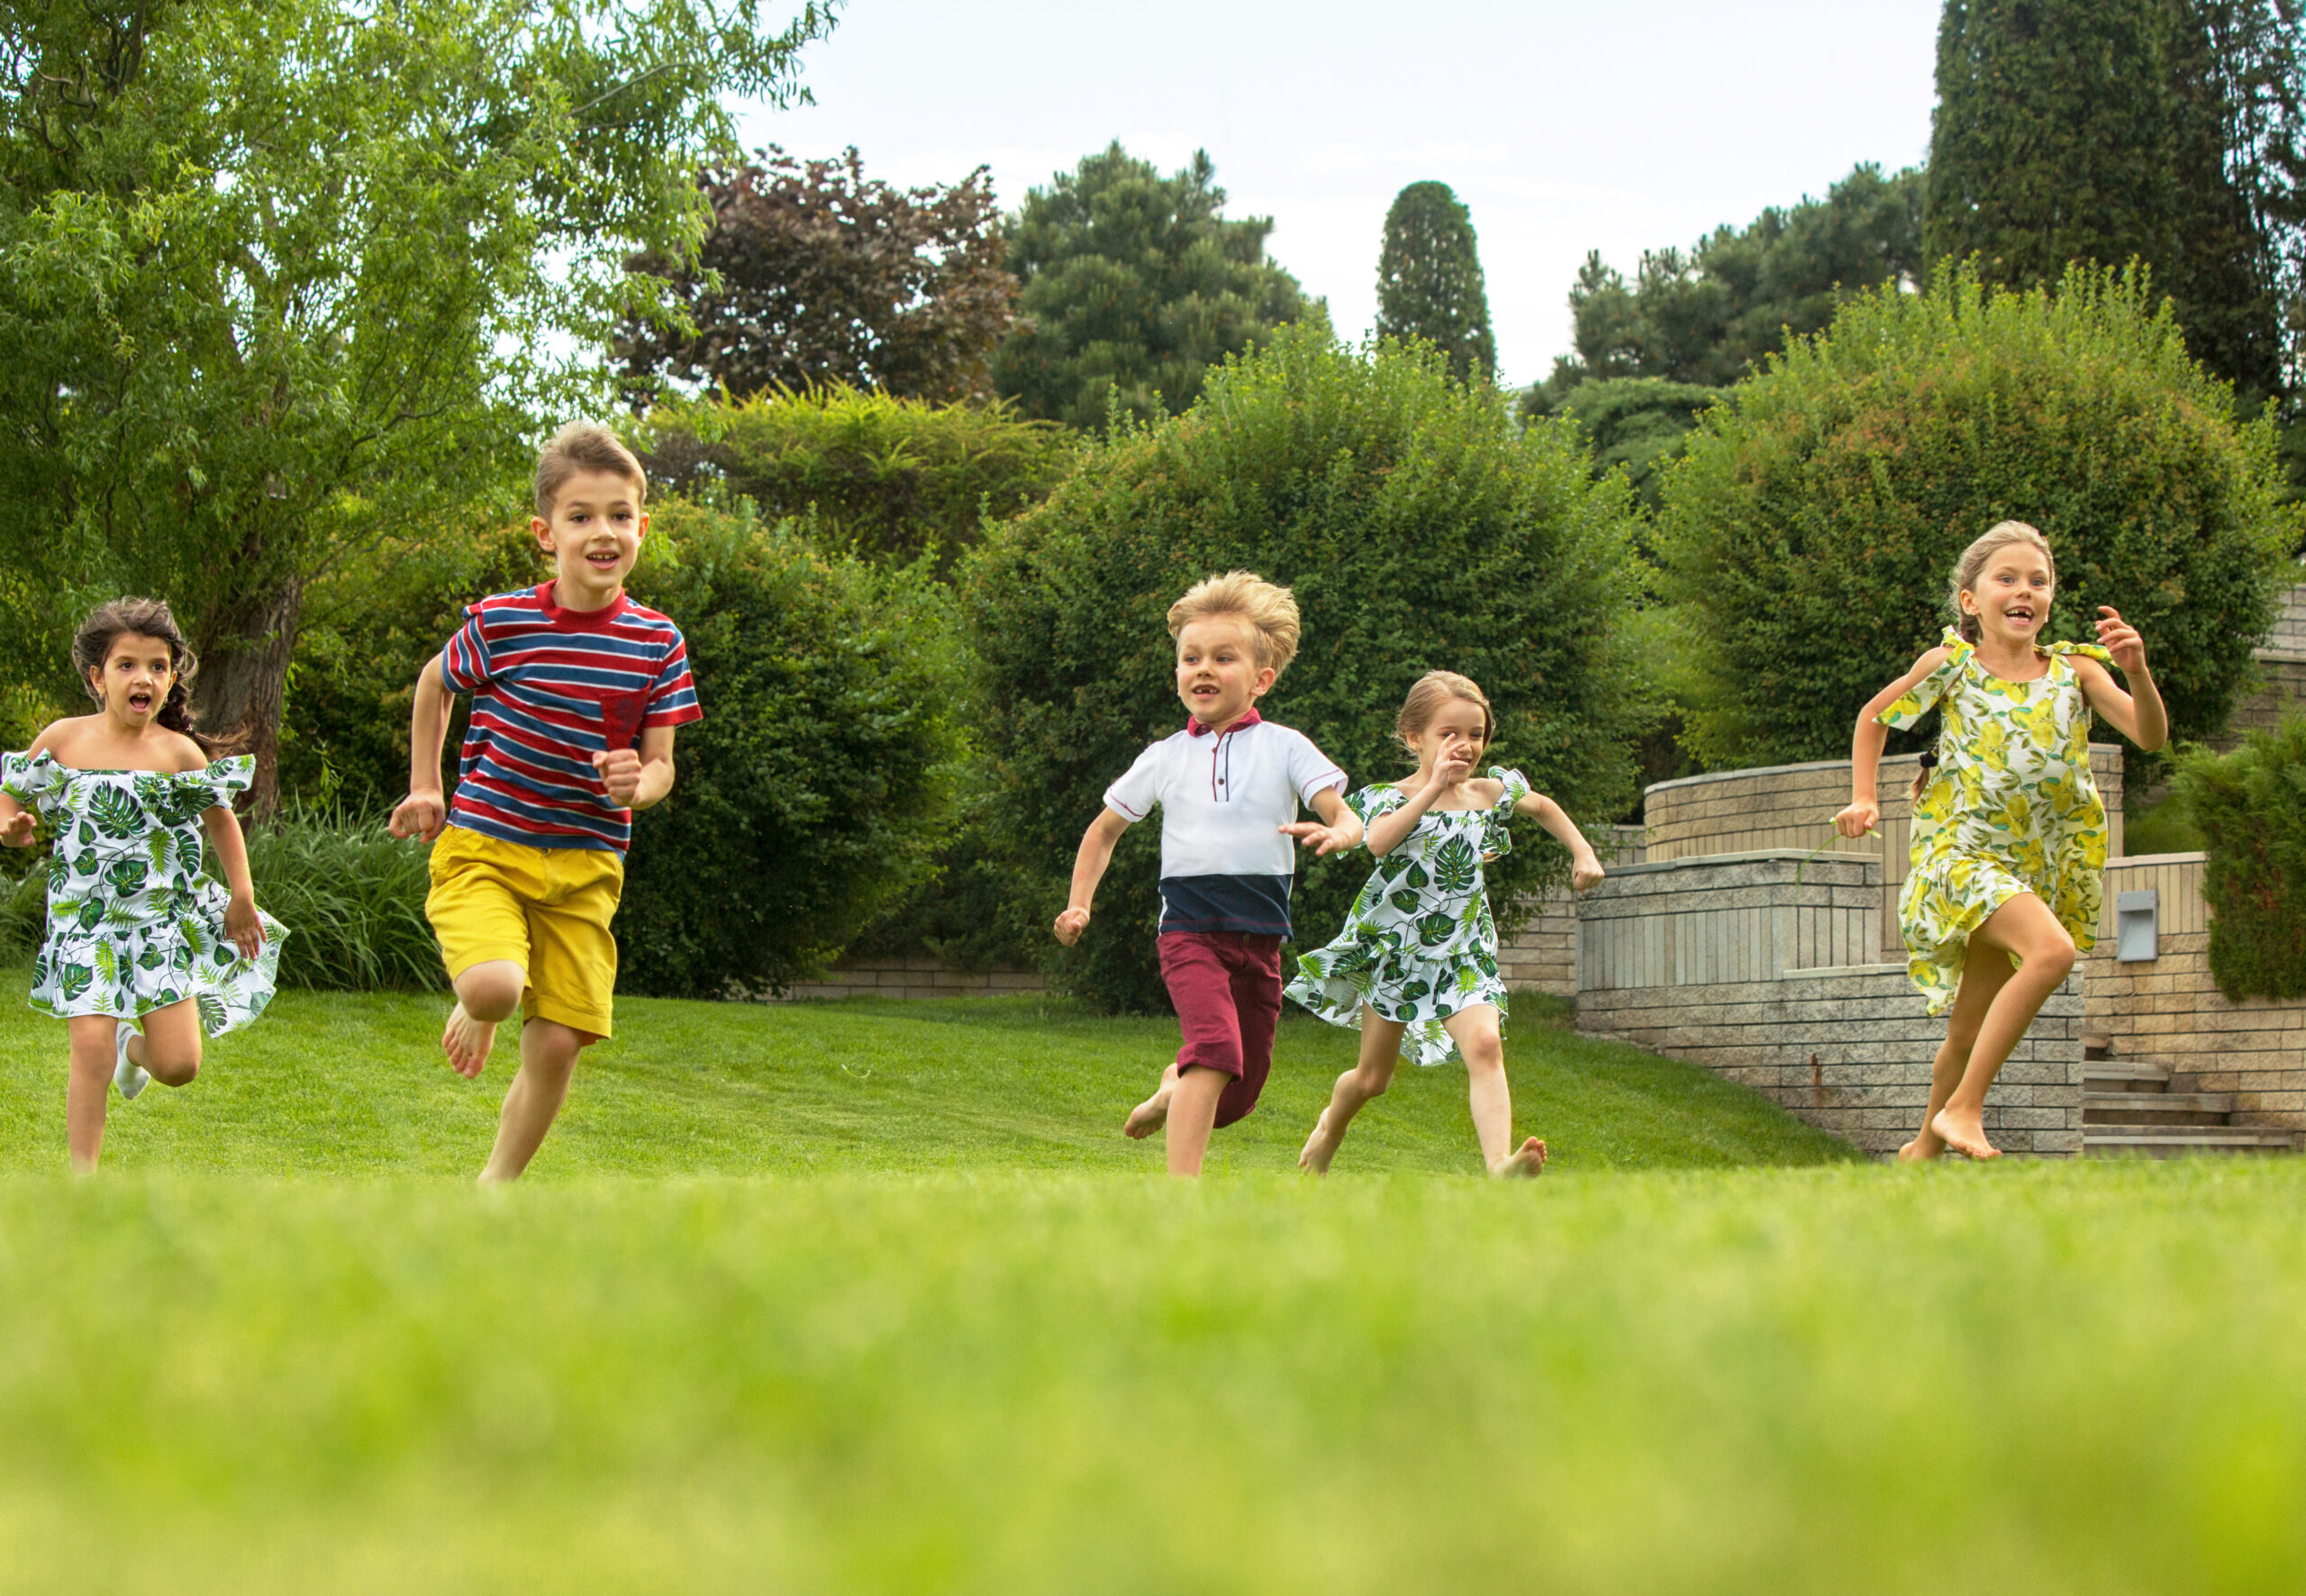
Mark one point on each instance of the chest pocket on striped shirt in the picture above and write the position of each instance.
(620, 717)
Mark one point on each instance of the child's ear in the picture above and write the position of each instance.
(542, 530)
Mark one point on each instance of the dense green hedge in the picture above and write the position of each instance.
(1808, 533)
(2251, 808)
(1419, 526)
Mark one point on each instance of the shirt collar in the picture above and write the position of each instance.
(1193, 728)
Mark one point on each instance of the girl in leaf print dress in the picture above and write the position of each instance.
(1415, 968)
(2009, 832)
(135, 930)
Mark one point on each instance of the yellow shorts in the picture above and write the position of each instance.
(545, 908)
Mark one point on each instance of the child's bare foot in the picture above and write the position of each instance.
(1528, 1161)
(1927, 1147)
(1320, 1147)
(1151, 1115)
(1966, 1134)
(467, 1042)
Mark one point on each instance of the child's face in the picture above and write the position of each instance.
(1218, 672)
(2011, 598)
(135, 678)
(1456, 725)
(594, 536)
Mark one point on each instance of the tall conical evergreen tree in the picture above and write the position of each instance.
(1430, 282)
(2095, 130)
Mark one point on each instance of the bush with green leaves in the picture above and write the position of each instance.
(1419, 526)
(814, 794)
(887, 476)
(1808, 533)
(2250, 807)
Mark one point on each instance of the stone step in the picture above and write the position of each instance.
(2155, 1108)
(2125, 1075)
(2179, 1141)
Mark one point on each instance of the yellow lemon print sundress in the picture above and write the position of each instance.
(2011, 808)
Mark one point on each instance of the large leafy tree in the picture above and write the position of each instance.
(2100, 129)
(1428, 279)
(279, 278)
(814, 273)
(1134, 283)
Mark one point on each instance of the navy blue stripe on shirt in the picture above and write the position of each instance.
(1258, 904)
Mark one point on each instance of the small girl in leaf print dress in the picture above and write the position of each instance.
(135, 930)
(2009, 832)
(1415, 968)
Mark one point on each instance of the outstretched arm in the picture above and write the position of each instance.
(1338, 832)
(1865, 811)
(2139, 714)
(424, 812)
(1584, 866)
(1089, 869)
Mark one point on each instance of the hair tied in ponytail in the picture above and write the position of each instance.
(1922, 776)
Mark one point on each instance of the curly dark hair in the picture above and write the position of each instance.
(143, 618)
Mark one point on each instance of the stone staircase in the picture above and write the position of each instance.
(2129, 1110)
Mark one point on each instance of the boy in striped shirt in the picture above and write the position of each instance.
(575, 693)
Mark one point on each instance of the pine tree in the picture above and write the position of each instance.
(2097, 131)
(1430, 281)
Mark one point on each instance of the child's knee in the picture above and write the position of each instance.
(491, 992)
(2058, 956)
(1372, 1083)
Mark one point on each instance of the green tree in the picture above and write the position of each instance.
(1419, 526)
(1708, 315)
(1808, 533)
(888, 477)
(279, 279)
(814, 274)
(1639, 423)
(1134, 285)
(1430, 281)
(2097, 131)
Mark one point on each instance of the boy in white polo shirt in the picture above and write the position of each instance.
(1228, 786)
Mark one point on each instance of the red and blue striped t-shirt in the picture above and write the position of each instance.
(550, 688)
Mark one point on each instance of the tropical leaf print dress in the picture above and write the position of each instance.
(133, 922)
(2011, 809)
(1419, 944)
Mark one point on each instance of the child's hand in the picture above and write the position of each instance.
(1858, 819)
(1456, 764)
(1585, 871)
(2120, 639)
(1070, 925)
(421, 815)
(1326, 840)
(18, 831)
(242, 926)
(619, 771)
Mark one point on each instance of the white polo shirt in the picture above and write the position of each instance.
(1224, 797)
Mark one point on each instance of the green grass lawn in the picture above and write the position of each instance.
(925, 1323)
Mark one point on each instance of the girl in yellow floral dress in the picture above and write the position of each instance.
(2009, 832)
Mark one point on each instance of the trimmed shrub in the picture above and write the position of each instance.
(890, 478)
(1419, 528)
(1808, 533)
(813, 796)
(2251, 807)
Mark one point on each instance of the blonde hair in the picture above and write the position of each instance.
(1996, 539)
(1432, 691)
(1991, 542)
(1266, 610)
(584, 446)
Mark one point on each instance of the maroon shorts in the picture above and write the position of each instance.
(1226, 987)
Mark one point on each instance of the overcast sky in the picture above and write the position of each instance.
(1565, 128)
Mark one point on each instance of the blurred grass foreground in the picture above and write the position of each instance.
(926, 1323)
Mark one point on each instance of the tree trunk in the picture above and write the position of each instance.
(244, 674)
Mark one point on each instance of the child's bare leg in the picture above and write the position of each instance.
(1475, 1030)
(170, 1045)
(1381, 1049)
(2023, 926)
(1983, 979)
(487, 994)
(1192, 1115)
(1151, 1115)
(93, 1062)
(548, 1051)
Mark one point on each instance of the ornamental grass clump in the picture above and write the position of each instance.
(1419, 526)
(2251, 808)
(353, 897)
(1806, 536)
